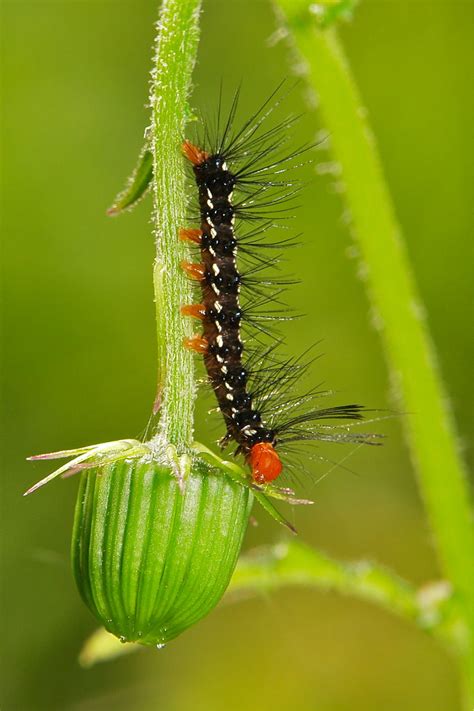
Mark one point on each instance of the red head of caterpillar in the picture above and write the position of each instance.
(265, 462)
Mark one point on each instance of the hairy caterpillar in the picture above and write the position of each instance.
(254, 390)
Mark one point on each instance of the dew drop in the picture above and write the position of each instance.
(122, 639)
(161, 645)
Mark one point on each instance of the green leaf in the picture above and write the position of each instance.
(137, 185)
(89, 457)
(102, 646)
(261, 493)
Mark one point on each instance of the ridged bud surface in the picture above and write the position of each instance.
(149, 560)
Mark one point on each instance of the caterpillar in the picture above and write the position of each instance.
(248, 392)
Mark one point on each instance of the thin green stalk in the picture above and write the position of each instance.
(393, 294)
(292, 564)
(176, 47)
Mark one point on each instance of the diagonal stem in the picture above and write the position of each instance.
(410, 354)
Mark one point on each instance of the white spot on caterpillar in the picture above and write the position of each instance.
(212, 251)
(216, 290)
(224, 166)
(213, 232)
(209, 221)
(219, 359)
(228, 386)
(229, 396)
(215, 269)
(210, 204)
(217, 306)
(209, 193)
(223, 369)
(220, 341)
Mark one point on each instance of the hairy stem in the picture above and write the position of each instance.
(392, 290)
(292, 564)
(176, 47)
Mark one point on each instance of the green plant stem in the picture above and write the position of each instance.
(292, 564)
(394, 297)
(176, 47)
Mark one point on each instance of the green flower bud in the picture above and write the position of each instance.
(150, 556)
(155, 542)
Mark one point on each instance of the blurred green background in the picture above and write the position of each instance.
(79, 351)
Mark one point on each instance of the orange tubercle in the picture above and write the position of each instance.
(193, 153)
(265, 462)
(188, 235)
(195, 271)
(196, 343)
(194, 310)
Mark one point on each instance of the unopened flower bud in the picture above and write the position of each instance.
(151, 557)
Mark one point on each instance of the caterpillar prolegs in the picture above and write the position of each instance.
(255, 391)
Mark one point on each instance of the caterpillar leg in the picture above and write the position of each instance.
(188, 235)
(224, 441)
(193, 153)
(194, 310)
(197, 344)
(194, 271)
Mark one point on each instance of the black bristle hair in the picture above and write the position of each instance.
(256, 390)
